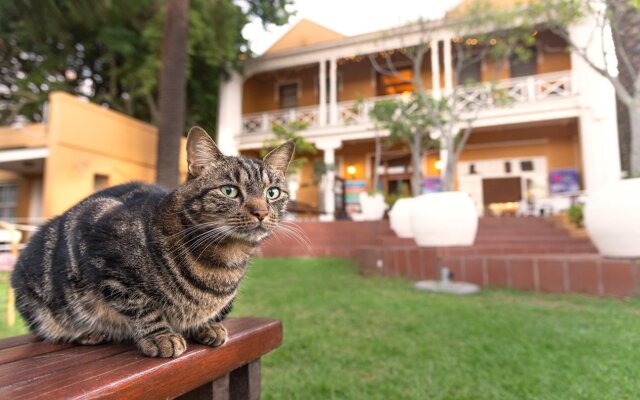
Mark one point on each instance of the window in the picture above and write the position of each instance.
(8, 201)
(288, 95)
(507, 167)
(526, 166)
(100, 182)
(521, 67)
(472, 169)
(397, 83)
(471, 73)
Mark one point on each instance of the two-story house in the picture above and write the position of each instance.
(558, 134)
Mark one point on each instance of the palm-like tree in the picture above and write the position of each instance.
(172, 90)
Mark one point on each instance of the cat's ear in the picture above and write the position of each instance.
(201, 151)
(280, 157)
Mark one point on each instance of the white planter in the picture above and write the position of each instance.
(400, 218)
(373, 207)
(612, 218)
(444, 219)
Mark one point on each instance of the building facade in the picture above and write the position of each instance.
(559, 129)
(80, 148)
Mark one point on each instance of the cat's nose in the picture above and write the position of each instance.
(260, 214)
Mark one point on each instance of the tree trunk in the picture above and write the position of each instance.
(172, 92)
(450, 166)
(376, 162)
(634, 142)
(627, 38)
(416, 160)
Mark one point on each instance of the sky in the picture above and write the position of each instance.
(349, 17)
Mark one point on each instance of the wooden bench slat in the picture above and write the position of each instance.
(130, 375)
(39, 366)
(17, 340)
(22, 351)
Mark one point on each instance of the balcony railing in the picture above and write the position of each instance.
(519, 90)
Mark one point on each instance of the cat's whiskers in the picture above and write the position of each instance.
(295, 234)
(295, 228)
(196, 227)
(224, 236)
(212, 234)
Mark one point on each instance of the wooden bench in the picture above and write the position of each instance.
(32, 369)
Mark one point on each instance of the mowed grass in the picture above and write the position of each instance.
(350, 337)
(5, 330)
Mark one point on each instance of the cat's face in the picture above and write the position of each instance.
(242, 198)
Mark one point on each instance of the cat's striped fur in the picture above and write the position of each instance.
(135, 262)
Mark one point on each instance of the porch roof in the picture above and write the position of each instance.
(26, 160)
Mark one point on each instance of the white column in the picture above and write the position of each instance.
(229, 113)
(597, 121)
(322, 88)
(329, 148)
(435, 68)
(333, 92)
(448, 67)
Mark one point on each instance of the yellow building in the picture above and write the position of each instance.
(562, 119)
(80, 148)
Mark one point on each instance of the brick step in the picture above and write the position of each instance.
(557, 273)
(499, 240)
(515, 250)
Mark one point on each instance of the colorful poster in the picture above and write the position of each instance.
(564, 181)
(352, 191)
(431, 185)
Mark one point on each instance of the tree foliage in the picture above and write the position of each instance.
(109, 51)
(619, 17)
(291, 131)
(427, 119)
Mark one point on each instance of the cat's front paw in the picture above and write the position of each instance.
(162, 345)
(213, 335)
(90, 338)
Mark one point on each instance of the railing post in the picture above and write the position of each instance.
(531, 88)
(264, 125)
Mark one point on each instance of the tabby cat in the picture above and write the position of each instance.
(137, 263)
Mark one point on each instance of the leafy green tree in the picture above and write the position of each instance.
(291, 131)
(621, 17)
(110, 52)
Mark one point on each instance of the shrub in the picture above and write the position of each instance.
(576, 214)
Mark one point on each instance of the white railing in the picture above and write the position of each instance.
(517, 90)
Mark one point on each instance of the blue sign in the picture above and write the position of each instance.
(431, 185)
(564, 180)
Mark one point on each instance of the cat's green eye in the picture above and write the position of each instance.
(273, 193)
(229, 191)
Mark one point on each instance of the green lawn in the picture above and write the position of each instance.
(355, 338)
(5, 330)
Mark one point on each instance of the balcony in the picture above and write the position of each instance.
(521, 91)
